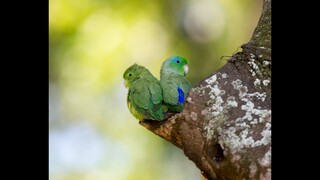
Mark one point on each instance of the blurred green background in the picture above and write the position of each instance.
(92, 135)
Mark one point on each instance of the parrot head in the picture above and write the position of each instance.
(176, 65)
(132, 74)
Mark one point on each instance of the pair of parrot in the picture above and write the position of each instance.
(149, 98)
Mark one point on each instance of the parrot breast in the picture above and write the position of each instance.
(134, 112)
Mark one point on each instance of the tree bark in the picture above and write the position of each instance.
(225, 127)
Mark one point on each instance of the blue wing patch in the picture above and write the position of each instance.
(181, 96)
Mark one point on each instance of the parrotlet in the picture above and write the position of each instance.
(144, 98)
(174, 84)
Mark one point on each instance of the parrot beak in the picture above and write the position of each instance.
(186, 69)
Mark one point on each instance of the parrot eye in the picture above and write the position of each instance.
(130, 74)
(178, 61)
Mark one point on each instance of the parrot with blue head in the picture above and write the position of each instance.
(175, 86)
(144, 98)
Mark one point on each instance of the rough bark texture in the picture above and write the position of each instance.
(225, 127)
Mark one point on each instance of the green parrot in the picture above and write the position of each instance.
(175, 86)
(144, 97)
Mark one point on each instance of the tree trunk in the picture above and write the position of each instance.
(225, 127)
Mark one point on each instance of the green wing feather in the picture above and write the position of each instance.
(140, 95)
(146, 99)
(169, 88)
(155, 91)
(169, 84)
(185, 86)
(156, 98)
